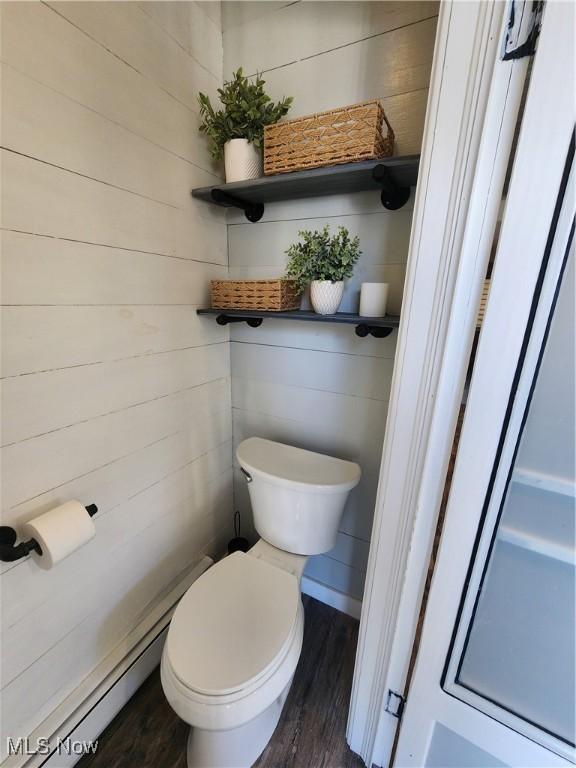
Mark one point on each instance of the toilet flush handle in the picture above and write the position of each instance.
(247, 475)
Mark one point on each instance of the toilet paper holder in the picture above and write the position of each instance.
(10, 551)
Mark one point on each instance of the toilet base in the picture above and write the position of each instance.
(238, 747)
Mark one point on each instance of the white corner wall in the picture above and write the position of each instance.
(114, 392)
(323, 388)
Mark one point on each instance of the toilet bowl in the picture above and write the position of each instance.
(236, 635)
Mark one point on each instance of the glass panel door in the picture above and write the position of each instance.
(513, 655)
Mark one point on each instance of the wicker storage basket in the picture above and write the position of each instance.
(269, 295)
(342, 135)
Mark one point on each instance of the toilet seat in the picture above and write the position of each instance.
(233, 643)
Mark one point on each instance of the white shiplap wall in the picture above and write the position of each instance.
(114, 391)
(322, 387)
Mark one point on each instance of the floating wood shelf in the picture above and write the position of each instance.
(392, 177)
(380, 327)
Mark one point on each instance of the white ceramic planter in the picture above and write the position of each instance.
(242, 160)
(326, 296)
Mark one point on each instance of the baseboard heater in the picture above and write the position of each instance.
(84, 714)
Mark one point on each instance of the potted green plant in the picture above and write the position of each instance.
(324, 262)
(236, 131)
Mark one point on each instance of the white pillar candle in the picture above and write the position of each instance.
(373, 297)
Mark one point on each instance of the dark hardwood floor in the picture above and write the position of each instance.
(311, 731)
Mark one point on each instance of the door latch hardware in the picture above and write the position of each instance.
(395, 704)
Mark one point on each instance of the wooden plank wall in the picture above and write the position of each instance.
(321, 387)
(114, 391)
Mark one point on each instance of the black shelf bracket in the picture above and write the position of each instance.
(378, 327)
(362, 330)
(377, 331)
(252, 211)
(393, 196)
(253, 322)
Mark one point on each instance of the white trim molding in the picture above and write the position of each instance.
(330, 596)
(465, 150)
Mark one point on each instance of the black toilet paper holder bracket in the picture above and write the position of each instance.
(10, 551)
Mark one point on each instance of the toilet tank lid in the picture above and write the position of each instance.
(287, 465)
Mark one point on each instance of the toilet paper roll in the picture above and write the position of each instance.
(373, 299)
(59, 532)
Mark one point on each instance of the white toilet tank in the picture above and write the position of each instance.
(297, 496)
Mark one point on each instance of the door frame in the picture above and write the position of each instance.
(473, 102)
(509, 350)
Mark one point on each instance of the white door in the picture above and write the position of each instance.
(494, 678)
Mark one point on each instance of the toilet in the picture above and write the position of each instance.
(236, 635)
